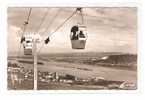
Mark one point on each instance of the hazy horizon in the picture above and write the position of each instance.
(17, 54)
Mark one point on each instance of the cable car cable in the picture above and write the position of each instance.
(42, 20)
(52, 20)
(27, 21)
(58, 28)
(24, 28)
(62, 23)
(55, 16)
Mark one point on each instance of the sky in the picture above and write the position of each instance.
(112, 29)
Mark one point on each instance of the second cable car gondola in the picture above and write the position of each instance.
(78, 36)
(27, 41)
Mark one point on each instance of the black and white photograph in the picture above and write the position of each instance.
(72, 48)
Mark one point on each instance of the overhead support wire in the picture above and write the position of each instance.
(27, 20)
(42, 20)
(47, 39)
(24, 28)
(25, 24)
(62, 23)
(49, 25)
(52, 20)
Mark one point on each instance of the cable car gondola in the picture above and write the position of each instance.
(78, 36)
(27, 44)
